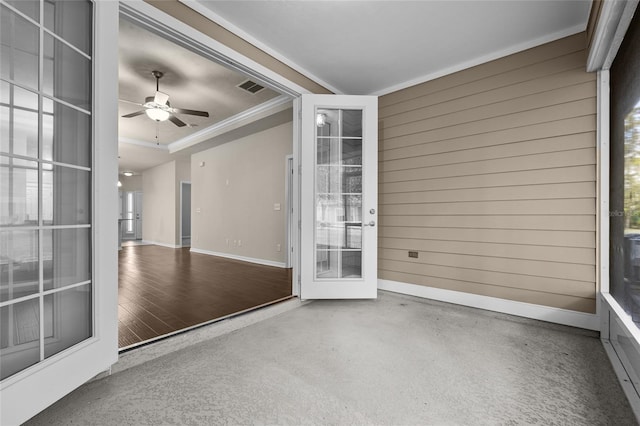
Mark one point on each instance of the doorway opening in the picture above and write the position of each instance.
(185, 214)
(215, 236)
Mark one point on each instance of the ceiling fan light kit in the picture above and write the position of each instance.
(159, 109)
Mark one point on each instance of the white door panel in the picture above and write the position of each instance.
(58, 242)
(339, 196)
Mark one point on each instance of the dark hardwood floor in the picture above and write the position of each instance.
(162, 290)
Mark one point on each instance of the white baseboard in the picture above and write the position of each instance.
(521, 309)
(242, 258)
(156, 243)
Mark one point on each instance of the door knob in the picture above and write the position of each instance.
(371, 223)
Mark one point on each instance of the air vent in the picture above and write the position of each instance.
(251, 86)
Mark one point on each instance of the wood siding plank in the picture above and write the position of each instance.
(579, 255)
(489, 174)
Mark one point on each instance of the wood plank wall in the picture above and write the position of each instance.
(490, 174)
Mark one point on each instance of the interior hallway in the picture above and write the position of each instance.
(163, 290)
(395, 360)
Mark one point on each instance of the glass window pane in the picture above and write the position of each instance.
(66, 134)
(4, 116)
(72, 317)
(19, 335)
(66, 196)
(629, 298)
(71, 20)
(351, 264)
(19, 49)
(66, 257)
(327, 122)
(352, 123)
(327, 263)
(352, 152)
(67, 74)
(19, 121)
(18, 192)
(31, 8)
(19, 271)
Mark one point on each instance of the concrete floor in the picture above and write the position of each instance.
(393, 361)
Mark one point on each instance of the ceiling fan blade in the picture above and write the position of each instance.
(161, 98)
(191, 112)
(134, 114)
(175, 120)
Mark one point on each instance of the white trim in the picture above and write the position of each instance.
(482, 59)
(213, 16)
(242, 258)
(521, 309)
(156, 243)
(172, 29)
(624, 320)
(603, 177)
(615, 17)
(612, 312)
(288, 204)
(297, 149)
(143, 144)
(265, 109)
(623, 378)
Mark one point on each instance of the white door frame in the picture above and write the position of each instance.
(157, 21)
(182, 183)
(288, 190)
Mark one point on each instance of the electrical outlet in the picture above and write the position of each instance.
(227, 240)
(278, 248)
(413, 254)
(239, 243)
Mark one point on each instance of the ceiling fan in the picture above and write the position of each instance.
(158, 107)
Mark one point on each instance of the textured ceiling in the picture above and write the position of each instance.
(191, 81)
(370, 47)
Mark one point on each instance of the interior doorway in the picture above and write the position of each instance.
(185, 214)
(131, 215)
(217, 238)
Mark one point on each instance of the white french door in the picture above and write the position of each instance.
(339, 197)
(58, 239)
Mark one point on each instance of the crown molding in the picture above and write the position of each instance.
(145, 144)
(483, 59)
(612, 25)
(265, 109)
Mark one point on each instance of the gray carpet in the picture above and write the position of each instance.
(394, 361)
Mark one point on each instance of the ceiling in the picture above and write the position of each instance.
(373, 47)
(190, 80)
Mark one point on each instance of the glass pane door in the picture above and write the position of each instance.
(46, 290)
(339, 197)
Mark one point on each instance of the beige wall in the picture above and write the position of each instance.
(234, 193)
(130, 183)
(159, 204)
(220, 34)
(489, 173)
